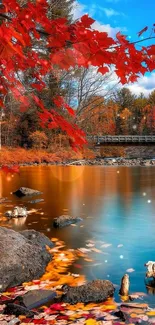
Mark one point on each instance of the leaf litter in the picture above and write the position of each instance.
(57, 274)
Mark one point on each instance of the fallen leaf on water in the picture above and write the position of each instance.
(33, 211)
(151, 313)
(84, 250)
(106, 245)
(130, 270)
(88, 260)
(96, 250)
(90, 245)
(140, 294)
(135, 305)
(133, 296)
(79, 266)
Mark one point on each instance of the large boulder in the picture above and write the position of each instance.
(25, 191)
(37, 238)
(21, 259)
(65, 220)
(94, 291)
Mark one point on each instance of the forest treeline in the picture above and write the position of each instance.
(123, 113)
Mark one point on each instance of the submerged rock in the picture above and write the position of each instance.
(25, 191)
(36, 201)
(21, 259)
(37, 238)
(94, 291)
(65, 220)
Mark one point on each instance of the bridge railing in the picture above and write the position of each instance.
(121, 138)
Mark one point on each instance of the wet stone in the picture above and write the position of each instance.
(37, 298)
(25, 191)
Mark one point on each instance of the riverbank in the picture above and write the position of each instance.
(115, 162)
(23, 157)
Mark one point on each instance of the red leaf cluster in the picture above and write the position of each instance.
(69, 45)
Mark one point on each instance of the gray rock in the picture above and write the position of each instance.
(21, 260)
(94, 291)
(37, 238)
(65, 220)
(37, 298)
(17, 212)
(150, 269)
(25, 191)
(36, 201)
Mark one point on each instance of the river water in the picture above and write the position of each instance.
(118, 210)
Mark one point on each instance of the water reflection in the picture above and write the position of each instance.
(114, 211)
(18, 223)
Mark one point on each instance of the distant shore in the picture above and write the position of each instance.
(98, 162)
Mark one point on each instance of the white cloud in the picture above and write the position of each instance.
(80, 10)
(112, 31)
(111, 12)
(145, 84)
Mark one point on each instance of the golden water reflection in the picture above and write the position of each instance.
(117, 206)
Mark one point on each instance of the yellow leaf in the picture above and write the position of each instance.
(133, 315)
(91, 322)
(151, 313)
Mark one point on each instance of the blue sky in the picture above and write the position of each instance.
(127, 16)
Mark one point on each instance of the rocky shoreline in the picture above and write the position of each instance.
(129, 162)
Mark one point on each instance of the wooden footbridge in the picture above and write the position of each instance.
(121, 140)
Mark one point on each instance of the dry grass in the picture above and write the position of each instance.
(11, 156)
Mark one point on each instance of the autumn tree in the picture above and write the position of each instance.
(98, 118)
(68, 45)
(124, 98)
(39, 140)
(90, 85)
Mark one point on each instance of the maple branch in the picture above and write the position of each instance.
(143, 40)
(41, 31)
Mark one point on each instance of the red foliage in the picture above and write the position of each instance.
(69, 45)
(10, 170)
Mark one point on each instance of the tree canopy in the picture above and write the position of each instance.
(32, 42)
